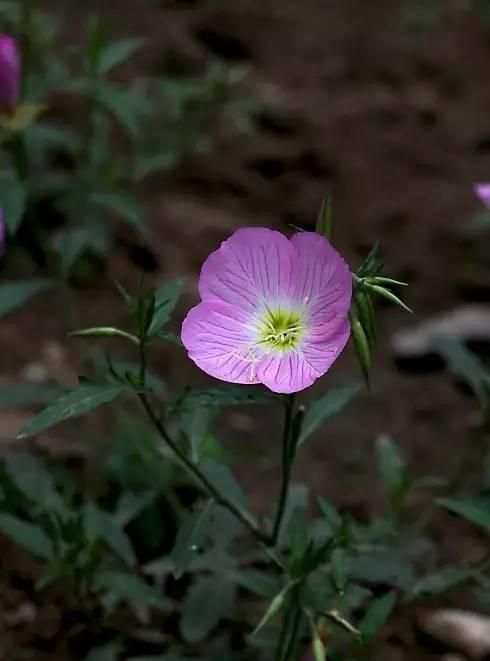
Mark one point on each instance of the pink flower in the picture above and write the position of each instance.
(10, 67)
(273, 310)
(483, 192)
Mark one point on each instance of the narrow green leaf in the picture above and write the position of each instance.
(464, 364)
(190, 536)
(100, 525)
(109, 652)
(12, 200)
(381, 280)
(317, 646)
(330, 513)
(123, 205)
(33, 479)
(95, 41)
(117, 53)
(209, 599)
(130, 505)
(127, 106)
(369, 263)
(31, 537)
(325, 407)
(124, 587)
(221, 397)
(389, 295)
(475, 513)
(390, 463)
(275, 606)
(86, 397)
(105, 331)
(339, 568)
(442, 580)
(324, 221)
(258, 582)
(166, 298)
(168, 336)
(224, 480)
(14, 294)
(377, 615)
(196, 425)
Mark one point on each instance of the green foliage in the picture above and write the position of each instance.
(13, 200)
(86, 397)
(15, 294)
(465, 365)
(166, 298)
(190, 536)
(209, 599)
(323, 408)
(28, 535)
(152, 533)
(477, 513)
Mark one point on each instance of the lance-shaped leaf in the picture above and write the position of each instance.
(86, 397)
(324, 221)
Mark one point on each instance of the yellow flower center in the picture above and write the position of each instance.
(280, 329)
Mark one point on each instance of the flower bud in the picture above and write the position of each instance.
(10, 71)
(361, 345)
(482, 191)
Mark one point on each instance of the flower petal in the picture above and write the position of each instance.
(253, 265)
(296, 370)
(216, 337)
(483, 193)
(324, 345)
(285, 372)
(321, 277)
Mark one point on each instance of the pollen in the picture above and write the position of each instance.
(279, 329)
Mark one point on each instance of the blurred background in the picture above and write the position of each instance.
(263, 107)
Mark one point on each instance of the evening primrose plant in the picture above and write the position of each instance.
(273, 318)
(168, 532)
(177, 534)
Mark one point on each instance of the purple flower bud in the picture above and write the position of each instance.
(10, 70)
(483, 193)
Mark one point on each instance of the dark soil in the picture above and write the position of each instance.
(396, 124)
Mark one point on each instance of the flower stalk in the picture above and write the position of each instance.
(289, 442)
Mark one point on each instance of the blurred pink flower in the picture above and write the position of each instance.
(10, 71)
(273, 310)
(483, 192)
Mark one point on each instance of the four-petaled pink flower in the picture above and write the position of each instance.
(10, 69)
(483, 193)
(273, 310)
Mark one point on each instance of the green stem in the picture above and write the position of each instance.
(19, 153)
(283, 636)
(287, 462)
(246, 518)
(290, 630)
